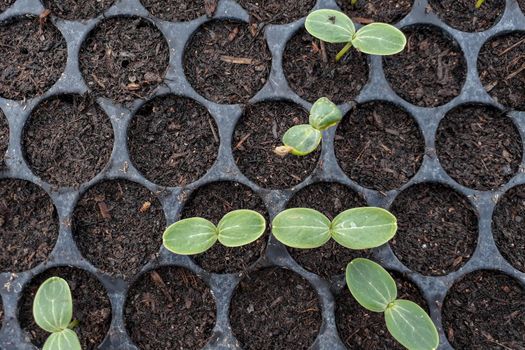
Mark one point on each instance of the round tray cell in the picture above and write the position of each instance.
(4, 137)
(330, 199)
(277, 11)
(124, 59)
(435, 59)
(4, 4)
(175, 10)
(484, 310)
(479, 146)
(367, 11)
(311, 70)
(437, 229)
(258, 132)
(25, 207)
(34, 55)
(212, 202)
(118, 226)
(173, 140)
(275, 308)
(507, 226)
(170, 308)
(91, 307)
(68, 140)
(379, 145)
(227, 61)
(501, 71)
(77, 9)
(362, 329)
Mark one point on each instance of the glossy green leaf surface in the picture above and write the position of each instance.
(241, 227)
(411, 326)
(364, 228)
(370, 284)
(303, 139)
(64, 340)
(379, 39)
(330, 26)
(324, 114)
(53, 305)
(301, 228)
(190, 236)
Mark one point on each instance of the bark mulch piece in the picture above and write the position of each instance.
(77, 9)
(4, 138)
(367, 11)
(275, 308)
(484, 310)
(479, 146)
(91, 307)
(258, 132)
(170, 308)
(68, 140)
(176, 10)
(277, 11)
(173, 140)
(437, 229)
(435, 59)
(463, 14)
(4, 4)
(379, 145)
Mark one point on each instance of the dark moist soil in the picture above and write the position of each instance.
(485, 310)
(212, 202)
(379, 145)
(362, 329)
(40, 53)
(124, 59)
(258, 133)
(227, 62)
(277, 11)
(500, 67)
(4, 4)
(118, 226)
(25, 208)
(463, 14)
(367, 11)
(68, 140)
(170, 308)
(330, 199)
(522, 5)
(507, 226)
(173, 140)
(311, 77)
(4, 138)
(176, 10)
(437, 229)
(275, 309)
(77, 9)
(435, 59)
(479, 146)
(91, 307)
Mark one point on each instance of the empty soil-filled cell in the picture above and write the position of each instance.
(34, 55)
(275, 308)
(277, 11)
(176, 10)
(124, 58)
(312, 72)
(366, 11)
(484, 310)
(77, 9)
(173, 140)
(227, 61)
(4, 4)
(4, 138)
(68, 140)
(435, 59)
(479, 146)
(118, 225)
(501, 69)
(91, 307)
(437, 229)
(463, 14)
(258, 133)
(169, 308)
(28, 225)
(379, 145)
(330, 199)
(212, 202)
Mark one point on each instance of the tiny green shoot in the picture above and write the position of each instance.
(479, 3)
(353, 2)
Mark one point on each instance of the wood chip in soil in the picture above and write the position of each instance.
(277, 11)
(77, 9)
(177, 10)
(463, 14)
(367, 11)
(4, 138)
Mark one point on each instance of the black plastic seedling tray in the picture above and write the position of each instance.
(434, 289)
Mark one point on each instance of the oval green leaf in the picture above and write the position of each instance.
(241, 227)
(330, 26)
(301, 228)
(370, 284)
(411, 326)
(190, 236)
(53, 305)
(64, 340)
(324, 114)
(379, 39)
(303, 139)
(364, 228)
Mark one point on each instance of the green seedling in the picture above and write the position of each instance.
(353, 2)
(335, 27)
(197, 235)
(53, 312)
(479, 3)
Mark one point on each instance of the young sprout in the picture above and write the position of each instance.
(197, 235)
(353, 2)
(479, 3)
(53, 312)
(375, 38)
